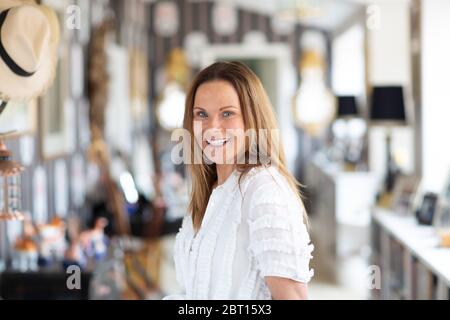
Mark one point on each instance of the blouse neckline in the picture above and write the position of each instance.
(228, 183)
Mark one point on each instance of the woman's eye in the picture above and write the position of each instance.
(201, 114)
(227, 113)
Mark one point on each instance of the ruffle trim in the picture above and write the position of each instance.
(269, 193)
(208, 243)
(278, 270)
(225, 280)
(249, 284)
(272, 221)
(181, 253)
(280, 245)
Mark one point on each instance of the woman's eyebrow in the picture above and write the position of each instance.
(199, 108)
(232, 107)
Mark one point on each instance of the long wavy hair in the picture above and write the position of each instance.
(257, 114)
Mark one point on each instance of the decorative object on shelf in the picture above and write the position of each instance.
(94, 241)
(74, 254)
(52, 244)
(9, 185)
(388, 110)
(170, 106)
(426, 212)
(442, 222)
(25, 253)
(314, 104)
(403, 194)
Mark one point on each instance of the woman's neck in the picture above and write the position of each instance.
(223, 172)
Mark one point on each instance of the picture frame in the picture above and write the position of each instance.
(426, 212)
(404, 193)
(20, 117)
(442, 222)
(446, 189)
(56, 114)
(442, 217)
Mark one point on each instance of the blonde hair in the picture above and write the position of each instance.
(257, 114)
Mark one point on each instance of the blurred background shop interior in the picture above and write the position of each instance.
(360, 91)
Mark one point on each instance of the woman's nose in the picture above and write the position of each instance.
(214, 123)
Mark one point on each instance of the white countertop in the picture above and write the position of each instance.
(422, 241)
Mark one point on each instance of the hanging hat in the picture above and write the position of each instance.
(29, 36)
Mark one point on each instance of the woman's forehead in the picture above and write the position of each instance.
(216, 94)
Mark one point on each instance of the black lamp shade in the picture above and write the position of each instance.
(388, 104)
(347, 106)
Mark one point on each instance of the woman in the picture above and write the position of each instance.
(245, 236)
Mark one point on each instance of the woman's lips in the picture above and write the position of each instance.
(217, 142)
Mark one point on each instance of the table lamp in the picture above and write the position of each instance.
(388, 110)
(347, 107)
(349, 130)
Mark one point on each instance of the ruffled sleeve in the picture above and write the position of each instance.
(279, 239)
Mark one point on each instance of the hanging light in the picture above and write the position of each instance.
(314, 104)
(170, 106)
(10, 196)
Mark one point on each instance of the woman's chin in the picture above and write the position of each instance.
(218, 158)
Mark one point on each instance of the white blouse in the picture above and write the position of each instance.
(247, 233)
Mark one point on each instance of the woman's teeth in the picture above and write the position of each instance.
(217, 142)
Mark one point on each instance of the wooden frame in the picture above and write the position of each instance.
(442, 216)
(20, 118)
(404, 194)
(56, 116)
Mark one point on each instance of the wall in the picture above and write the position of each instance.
(435, 93)
(389, 58)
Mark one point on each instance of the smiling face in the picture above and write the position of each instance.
(217, 111)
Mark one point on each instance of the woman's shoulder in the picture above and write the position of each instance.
(266, 184)
(264, 176)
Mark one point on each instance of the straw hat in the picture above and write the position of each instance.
(29, 37)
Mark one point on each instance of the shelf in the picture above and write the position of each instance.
(423, 263)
